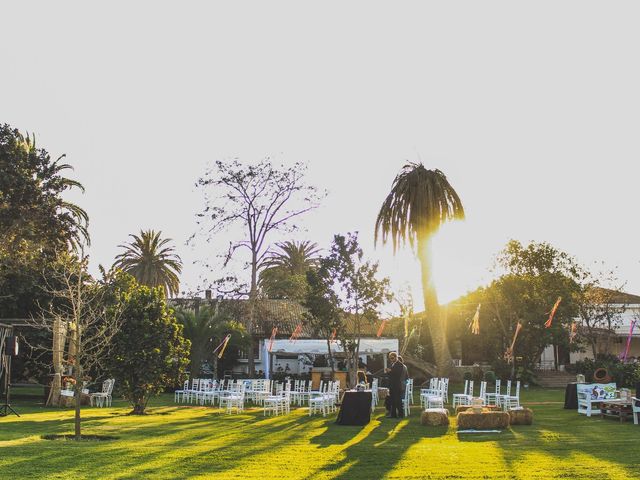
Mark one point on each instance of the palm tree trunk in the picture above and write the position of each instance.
(435, 321)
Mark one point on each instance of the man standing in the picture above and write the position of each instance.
(396, 374)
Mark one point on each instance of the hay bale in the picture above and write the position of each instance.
(435, 417)
(487, 420)
(464, 408)
(523, 416)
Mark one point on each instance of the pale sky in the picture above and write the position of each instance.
(530, 109)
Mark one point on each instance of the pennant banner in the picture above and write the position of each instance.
(381, 329)
(573, 332)
(475, 323)
(333, 336)
(623, 356)
(274, 332)
(296, 333)
(547, 324)
(508, 355)
(224, 344)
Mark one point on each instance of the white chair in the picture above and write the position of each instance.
(635, 407)
(464, 398)
(406, 404)
(501, 398)
(409, 388)
(103, 397)
(374, 394)
(179, 395)
(233, 398)
(277, 404)
(511, 402)
(491, 398)
(483, 392)
(319, 401)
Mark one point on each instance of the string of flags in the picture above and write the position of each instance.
(573, 332)
(475, 323)
(553, 312)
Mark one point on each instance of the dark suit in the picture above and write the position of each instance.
(397, 376)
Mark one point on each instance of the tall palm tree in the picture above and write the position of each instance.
(283, 273)
(420, 201)
(151, 262)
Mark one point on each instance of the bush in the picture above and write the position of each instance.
(624, 374)
(468, 375)
(490, 376)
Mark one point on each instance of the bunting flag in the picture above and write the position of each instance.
(573, 332)
(475, 323)
(623, 356)
(274, 332)
(553, 312)
(381, 329)
(223, 346)
(508, 355)
(296, 333)
(333, 336)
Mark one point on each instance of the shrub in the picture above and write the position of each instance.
(468, 375)
(490, 376)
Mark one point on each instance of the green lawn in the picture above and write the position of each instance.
(200, 442)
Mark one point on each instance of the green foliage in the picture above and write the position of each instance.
(346, 293)
(624, 374)
(283, 273)
(535, 277)
(468, 375)
(205, 330)
(149, 353)
(490, 376)
(35, 221)
(151, 261)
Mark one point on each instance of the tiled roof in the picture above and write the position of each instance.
(620, 297)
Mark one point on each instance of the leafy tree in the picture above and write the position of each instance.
(283, 273)
(36, 222)
(151, 261)
(322, 305)
(149, 352)
(359, 292)
(260, 199)
(205, 329)
(534, 277)
(420, 201)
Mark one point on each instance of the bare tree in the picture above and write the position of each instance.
(82, 311)
(260, 199)
(601, 306)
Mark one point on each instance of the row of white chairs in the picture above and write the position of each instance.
(505, 400)
(436, 395)
(325, 399)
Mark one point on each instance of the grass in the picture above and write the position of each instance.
(200, 442)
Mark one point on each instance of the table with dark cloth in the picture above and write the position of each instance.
(355, 408)
(571, 396)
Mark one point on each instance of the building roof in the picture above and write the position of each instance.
(615, 296)
(286, 315)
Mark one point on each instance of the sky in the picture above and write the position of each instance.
(529, 108)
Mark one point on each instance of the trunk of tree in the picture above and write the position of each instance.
(78, 386)
(253, 294)
(435, 322)
(138, 409)
(330, 356)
